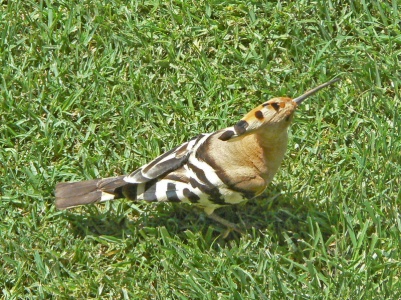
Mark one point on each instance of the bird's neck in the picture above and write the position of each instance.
(269, 139)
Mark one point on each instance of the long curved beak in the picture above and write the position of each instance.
(300, 99)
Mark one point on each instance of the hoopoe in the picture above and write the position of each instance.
(212, 170)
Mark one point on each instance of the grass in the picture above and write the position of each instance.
(94, 89)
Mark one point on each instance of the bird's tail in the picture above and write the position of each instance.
(70, 194)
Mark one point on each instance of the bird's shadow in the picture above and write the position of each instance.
(275, 213)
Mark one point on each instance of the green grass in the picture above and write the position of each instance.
(98, 88)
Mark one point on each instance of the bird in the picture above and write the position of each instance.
(212, 170)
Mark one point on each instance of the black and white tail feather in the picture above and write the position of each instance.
(211, 170)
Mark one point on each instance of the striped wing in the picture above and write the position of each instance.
(165, 163)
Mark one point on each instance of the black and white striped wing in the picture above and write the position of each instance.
(165, 163)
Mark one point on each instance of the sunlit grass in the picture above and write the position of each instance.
(94, 89)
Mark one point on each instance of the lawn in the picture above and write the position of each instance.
(97, 88)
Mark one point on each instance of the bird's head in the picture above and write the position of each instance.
(275, 115)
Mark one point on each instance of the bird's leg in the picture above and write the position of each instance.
(230, 226)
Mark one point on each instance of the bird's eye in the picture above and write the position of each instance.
(275, 105)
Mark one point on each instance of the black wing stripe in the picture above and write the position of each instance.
(138, 177)
(171, 193)
(167, 162)
(208, 188)
(130, 191)
(191, 196)
(149, 193)
(155, 163)
(176, 177)
(165, 167)
(155, 168)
